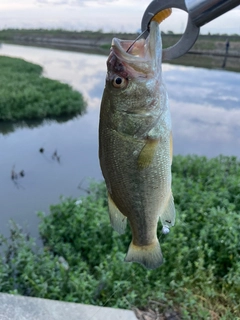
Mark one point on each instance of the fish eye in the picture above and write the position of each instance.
(119, 82)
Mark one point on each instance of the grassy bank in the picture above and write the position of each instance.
(25, 94)
(204, 42)
(82, 257)
(14, 34)
(202, 53)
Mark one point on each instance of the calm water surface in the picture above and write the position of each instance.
(205, 106)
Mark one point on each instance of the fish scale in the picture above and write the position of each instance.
(135, 146)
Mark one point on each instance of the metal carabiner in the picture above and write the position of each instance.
(199, 12)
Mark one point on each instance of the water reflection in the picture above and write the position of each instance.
(219, 89)
(75, 140)
(205, 106)
(9, 127)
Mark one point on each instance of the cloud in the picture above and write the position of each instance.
(60, 2)
(75, 2)
(95, 3)
(107, 15)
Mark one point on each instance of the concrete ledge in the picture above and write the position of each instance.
(26, 308)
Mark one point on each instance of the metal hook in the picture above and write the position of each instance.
(199, 12)
(188, 38)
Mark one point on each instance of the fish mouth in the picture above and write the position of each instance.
(126, 49)
(143, 53)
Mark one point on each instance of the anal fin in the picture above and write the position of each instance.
(117, 219)
(168, 216)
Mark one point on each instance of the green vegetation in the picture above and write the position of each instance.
(207, 52)
(170, 37)
(28, 34)
(205, 42)
(25, 94)
(82, 257)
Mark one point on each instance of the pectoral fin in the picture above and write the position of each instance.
(147, 153)
(168, 215)
(117, 219)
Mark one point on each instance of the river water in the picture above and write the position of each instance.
(205, 107)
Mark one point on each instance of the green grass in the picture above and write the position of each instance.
(12, 34)
(25, 94)
(101, 43)
(82, 257)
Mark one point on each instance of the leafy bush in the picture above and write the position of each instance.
(82, 257)
(25, 94)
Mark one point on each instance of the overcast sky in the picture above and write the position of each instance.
(108, 15)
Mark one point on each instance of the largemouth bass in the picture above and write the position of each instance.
(135, 145)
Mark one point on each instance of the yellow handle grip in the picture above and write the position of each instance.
(162, 15)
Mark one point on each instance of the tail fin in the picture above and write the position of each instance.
(149, 256)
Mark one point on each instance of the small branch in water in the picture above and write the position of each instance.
(81, 188)
(22, 173)
(15, 177)
(41, 150)
(56, 156)
(18, 185)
